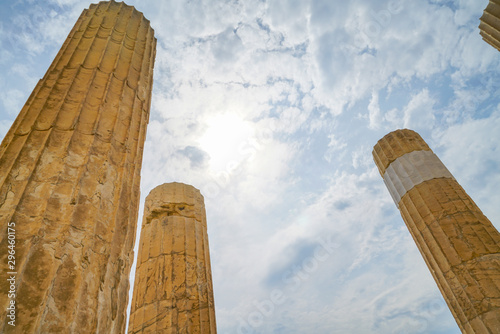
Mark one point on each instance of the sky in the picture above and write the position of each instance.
(271, 108)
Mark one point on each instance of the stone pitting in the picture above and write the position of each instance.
(458, 243)
(70, 175)
(489, 26)
(173, 283)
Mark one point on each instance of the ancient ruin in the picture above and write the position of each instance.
(173, 282)
(69, 178)
(459, 244)
(489, 26)
(70, 187)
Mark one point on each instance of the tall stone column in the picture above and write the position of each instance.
(69, 178)
(489, 26)
(459, 244)
(173, 282)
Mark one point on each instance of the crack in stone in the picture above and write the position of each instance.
(171, 209)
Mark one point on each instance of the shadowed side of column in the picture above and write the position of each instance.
(489, 26)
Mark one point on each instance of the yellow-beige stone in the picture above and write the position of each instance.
(173, 282)
(489, 26)
(459, 244)
(70, 175)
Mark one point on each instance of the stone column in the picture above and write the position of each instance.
(459, 244)
(489, 26)
(173, 282)
(69, 178)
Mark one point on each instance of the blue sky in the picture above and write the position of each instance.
(271, 109)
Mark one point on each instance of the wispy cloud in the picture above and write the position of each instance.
(299, 92)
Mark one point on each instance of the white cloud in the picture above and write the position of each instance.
(419, 113)
(374, 114)
(292, 18)
(296, 74)
(12, 100)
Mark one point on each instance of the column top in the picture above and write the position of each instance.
(396, 144)
(175, 199)
(121, 3)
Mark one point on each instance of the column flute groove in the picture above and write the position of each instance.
(70, 174)
(489, 24)
(173, 285)
(458, 243)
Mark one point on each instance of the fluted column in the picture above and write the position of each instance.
(489, 26)
(459, 244)
(173, 283)
(69, 178)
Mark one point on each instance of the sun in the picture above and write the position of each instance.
(224, 138)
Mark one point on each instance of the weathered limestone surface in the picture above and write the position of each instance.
(173, 283)
(459, 244)
(489, 26)
(69, 177)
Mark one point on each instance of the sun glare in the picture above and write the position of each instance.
(224, 138)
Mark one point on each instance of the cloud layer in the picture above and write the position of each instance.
(271, 108)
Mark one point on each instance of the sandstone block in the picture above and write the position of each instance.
(458, 243)
(173, 284)
(70, 174)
